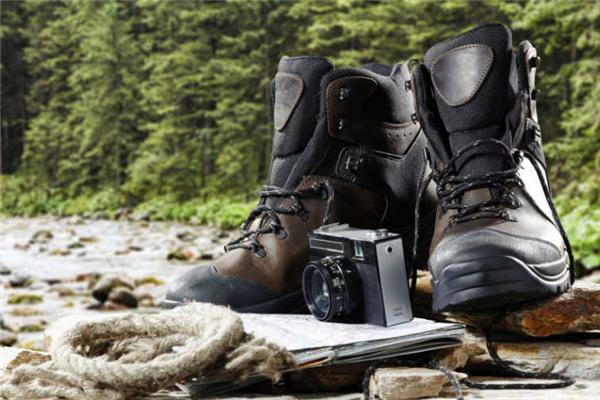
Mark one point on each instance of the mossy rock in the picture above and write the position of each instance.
(26, 299)
(31, 328)
(149, 280)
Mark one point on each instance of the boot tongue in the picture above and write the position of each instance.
(470, 74)
(296, 92)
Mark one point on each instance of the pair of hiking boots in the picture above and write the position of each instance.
(451, 155)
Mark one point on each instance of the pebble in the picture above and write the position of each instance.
(124, 297)
(177, 254)
(89, 239)
(145, 292)
(62, 290)
(41, 236)
(75, 245)
(75, 220)
(25, 312)
(99, 215)
(123, 213)
(59, 252)
(186, 236)
(4, 270)
(7, 338)
(207, 256)
(109, 283)
(20, 279)
(21, 246)
(94, 306)
(139, 216)
(151, 280)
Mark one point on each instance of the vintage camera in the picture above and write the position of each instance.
(356, 275)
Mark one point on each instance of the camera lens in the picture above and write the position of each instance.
(331, 288)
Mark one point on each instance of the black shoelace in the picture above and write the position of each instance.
(450, 188)
(248, 239)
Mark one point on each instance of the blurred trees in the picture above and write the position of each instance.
(149, 98)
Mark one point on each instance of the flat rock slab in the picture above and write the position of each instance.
(407, 383)
(577, 310)
(578, 359)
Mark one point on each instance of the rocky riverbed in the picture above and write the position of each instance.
(53, 267)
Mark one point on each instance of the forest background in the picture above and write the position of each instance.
(164, 106)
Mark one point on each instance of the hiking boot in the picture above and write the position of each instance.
(498, 239)
(346, 148)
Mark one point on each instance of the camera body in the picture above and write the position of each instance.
(356, 274)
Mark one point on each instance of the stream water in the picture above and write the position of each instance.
(58, 265)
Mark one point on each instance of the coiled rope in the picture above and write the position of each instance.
(122, 356)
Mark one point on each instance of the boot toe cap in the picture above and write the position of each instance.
(205, 284)
(486, 243)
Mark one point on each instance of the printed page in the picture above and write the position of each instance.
(299, 332)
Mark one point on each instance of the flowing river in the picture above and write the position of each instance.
(49, 266)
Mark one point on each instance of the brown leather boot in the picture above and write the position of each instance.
(346, 148)
(498, 239)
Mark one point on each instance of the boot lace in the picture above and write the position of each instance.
(451, 187)
(248, 239)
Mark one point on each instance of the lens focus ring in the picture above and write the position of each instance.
(331, 287)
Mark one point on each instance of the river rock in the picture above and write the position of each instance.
(139, 216)
(194, 221)
(62, 290)
(4, 270)
(123, 213)
(100, 215)
(25, 312)
(89, 239)
(145, 292)
(179, 254)
(124, 297)
(59, 252)
(149, 280)
(41, 236)
(20, 279)
(75, 220)
(21, 246)
(108, 283)
(7, 338)
(75, 245)
(186, 236)
(31, 328)
(30, 299)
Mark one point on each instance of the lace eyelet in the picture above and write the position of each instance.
(279, 232)
(259, 251)
(302, 215)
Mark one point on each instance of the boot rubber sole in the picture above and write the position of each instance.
(495, 282)
(292, 303)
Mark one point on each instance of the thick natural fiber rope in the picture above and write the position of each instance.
(125, 355)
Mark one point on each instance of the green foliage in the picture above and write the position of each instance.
(166, 105)
(225, 213)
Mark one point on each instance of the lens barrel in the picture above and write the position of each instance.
(332, 288)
